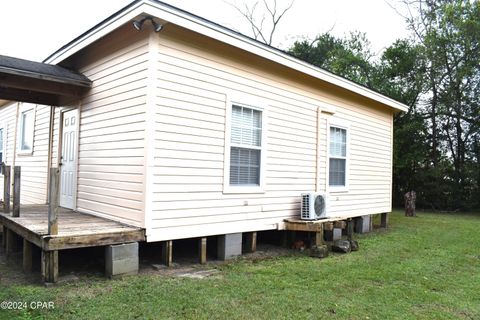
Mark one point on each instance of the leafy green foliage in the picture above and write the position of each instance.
(437, 75)
(448, 33)
(347, 57)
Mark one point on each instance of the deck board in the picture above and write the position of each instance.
(75, 229)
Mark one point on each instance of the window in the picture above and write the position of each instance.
(246, 146)
(338, 157)
(26, 128)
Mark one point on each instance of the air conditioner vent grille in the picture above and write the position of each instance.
(314, 206)
(305, 206)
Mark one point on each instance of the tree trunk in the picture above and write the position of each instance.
(410, 198)
(433, 118)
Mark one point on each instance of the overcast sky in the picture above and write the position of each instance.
(33, 29)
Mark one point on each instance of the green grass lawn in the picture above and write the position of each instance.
(421, 268)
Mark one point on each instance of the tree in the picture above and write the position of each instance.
(349, 57)
(400, 75)
(271, 12)
(437, 74)
(449, 32)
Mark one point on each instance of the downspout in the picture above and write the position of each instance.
(325, 114)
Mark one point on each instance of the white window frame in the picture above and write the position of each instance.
(25, 107)
(255, 104)
(336, 123)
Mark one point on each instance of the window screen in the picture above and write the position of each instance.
(338, 157)
(246, 144)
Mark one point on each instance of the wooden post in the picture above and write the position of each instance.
(340, 224)
(293, 238)
(328, 226)
(384, 220)
(285, 239)
(6, 189)
(167, 250)
(4, 236)
(350, 229)
(53, 202)
(16, 191)
(9, 242)
(250, 242)
(50, 266)
(319, 237)
(202, 250)
(27, 256)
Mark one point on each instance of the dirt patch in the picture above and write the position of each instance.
(11, 271)
(185, 268)
(187, 272)
(266, 251)
(84, 264)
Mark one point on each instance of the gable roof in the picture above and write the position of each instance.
(171, 14)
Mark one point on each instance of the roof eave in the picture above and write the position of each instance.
(215, 31)
(35, 75)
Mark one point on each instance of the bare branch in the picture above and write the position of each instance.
(249, 14)
(275, 19)
(257, 24)
(396, 10)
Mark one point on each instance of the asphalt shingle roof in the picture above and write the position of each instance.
(40, 70)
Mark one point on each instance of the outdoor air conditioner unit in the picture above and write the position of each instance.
(314, 206)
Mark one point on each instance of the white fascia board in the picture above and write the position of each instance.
(100, 31)
(209, 29)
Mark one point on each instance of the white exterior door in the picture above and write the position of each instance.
(68, 160)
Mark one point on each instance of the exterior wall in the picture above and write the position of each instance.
(369, 161)
(162, 166)
(196, 77)
(8, 115)
(35, 165)
(112, 127)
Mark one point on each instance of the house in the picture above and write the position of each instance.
(195, 130)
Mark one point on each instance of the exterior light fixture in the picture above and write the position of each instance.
(138, 24)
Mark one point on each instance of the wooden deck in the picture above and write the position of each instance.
(320, 226)
(296, 224)
(75, 230)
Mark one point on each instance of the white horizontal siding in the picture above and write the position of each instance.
(34, 166)
(194, 79)
(8, 121)
(188, 197)
(112, 127)
(34, 174)
(369, 163)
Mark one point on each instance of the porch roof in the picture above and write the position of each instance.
(35, 82)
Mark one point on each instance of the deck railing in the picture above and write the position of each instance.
(17, 172)
(52, 195)
(6, 188)
(53, 201)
